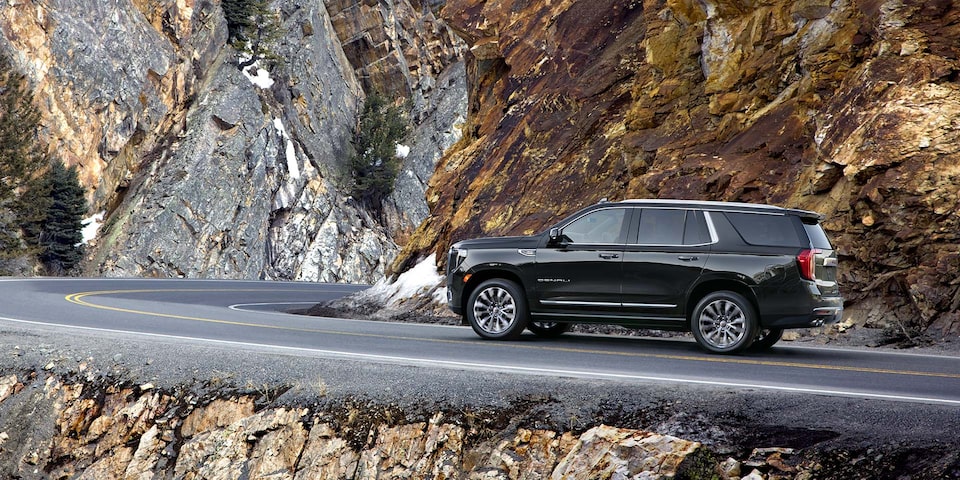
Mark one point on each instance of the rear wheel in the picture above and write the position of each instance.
(724, 322)
(766, 339)
(548, 329)
(497, 310)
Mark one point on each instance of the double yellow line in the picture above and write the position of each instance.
(80, 299)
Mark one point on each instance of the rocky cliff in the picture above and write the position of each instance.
(201, 172)
(845, 107)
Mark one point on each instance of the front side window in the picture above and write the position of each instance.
(601, 226)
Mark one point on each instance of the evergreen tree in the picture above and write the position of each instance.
(375, 164)
(62, 235)
(21, 156)
(252, 27)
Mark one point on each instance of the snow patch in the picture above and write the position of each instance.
(256, 75)
(402, 150)
(91, 225)
(293, 166)
(422, 279)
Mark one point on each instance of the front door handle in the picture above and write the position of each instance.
(609, 256)
(687, 258)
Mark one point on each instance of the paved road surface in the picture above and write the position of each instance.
(247, 313)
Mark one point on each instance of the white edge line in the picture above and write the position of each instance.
(510, 368)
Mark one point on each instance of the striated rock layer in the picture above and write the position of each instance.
(847, 107)
(52, 429)
(204, 174)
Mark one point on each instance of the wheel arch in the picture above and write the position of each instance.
(705, 288)
(476, 278)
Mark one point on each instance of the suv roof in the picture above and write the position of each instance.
(712, 205)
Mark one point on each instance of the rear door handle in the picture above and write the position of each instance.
(609, 256)
(688, 258)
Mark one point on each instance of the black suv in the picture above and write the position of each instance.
(734, 274)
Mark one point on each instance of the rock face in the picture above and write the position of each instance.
(847, 108)
(204, 174)
(78, 430)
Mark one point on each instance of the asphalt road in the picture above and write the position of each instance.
(246, 314)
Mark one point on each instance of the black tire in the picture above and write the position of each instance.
(724, 322)
(497, 310)
(548, 329)
(766, 339)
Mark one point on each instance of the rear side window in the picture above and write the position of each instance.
(696, 232)
(818, 239)
(766, 230)
(672, 227)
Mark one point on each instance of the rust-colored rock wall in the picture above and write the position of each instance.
(849, 108)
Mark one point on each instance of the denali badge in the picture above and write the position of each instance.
(553, 280)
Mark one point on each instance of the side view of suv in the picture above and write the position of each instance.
(734, 274)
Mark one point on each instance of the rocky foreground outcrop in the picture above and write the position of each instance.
(845, 107)
(54, 428)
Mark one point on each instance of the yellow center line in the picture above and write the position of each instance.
(78, 298)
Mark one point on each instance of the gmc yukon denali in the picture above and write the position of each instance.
(734, 274)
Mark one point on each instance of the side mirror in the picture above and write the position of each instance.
(554, 234)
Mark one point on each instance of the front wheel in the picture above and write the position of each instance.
(548, 329)
(497, 310)
(724, 322)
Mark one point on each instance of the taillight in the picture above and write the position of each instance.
(807, 262)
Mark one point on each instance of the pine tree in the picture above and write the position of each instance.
(252, 27)
(375, 164)
(62, 235)
(21, 156)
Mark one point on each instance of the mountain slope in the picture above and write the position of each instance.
(847, 108)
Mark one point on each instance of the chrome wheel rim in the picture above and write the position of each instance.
(722, 323)
(495, 310)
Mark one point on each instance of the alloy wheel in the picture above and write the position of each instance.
(495, 310)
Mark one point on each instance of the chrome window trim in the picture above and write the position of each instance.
(714, 238)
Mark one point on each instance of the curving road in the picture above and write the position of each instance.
(248, 313)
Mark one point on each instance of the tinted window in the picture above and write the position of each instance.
(768, 230)
(661, 227)
(817, 238)
(695, 232)
(601, 226)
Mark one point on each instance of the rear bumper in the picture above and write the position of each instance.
(829, 310)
